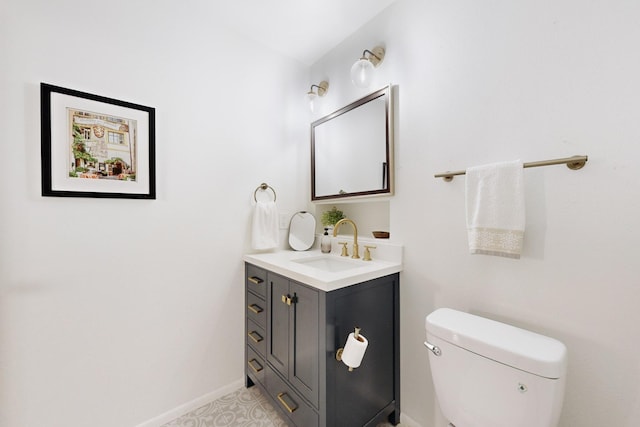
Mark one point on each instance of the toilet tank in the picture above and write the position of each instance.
(490, 374)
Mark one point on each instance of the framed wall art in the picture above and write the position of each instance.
(94, 146)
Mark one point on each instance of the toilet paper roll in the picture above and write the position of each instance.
(354, 350)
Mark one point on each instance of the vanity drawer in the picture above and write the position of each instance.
(256, 280)
(256, 337)
(255, 365)
(256, 309)
(289, 401)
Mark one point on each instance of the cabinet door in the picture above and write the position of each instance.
(303, 331)
(278, 323)
(363, 393)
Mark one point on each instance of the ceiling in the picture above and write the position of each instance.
(301, 29)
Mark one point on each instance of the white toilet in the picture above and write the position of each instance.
(489, 374)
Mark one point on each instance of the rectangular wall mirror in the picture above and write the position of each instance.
(352, 149)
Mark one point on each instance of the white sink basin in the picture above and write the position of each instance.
(328, 263)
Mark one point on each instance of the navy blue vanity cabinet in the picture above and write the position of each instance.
(303, 329)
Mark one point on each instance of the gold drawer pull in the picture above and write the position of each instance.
(289, 408)
(256, 280)
(255, 336)
(255, 308)
(251, 362)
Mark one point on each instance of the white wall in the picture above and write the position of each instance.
(488, 81)
(113, 312)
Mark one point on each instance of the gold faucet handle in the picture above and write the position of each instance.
(345, 252)
(367, 254)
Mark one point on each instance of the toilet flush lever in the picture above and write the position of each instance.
(434, 348)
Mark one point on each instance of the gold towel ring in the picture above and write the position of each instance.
(264, 187)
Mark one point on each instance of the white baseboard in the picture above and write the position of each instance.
(407, 422)
(194, 404)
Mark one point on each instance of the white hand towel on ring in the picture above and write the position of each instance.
(265, 225)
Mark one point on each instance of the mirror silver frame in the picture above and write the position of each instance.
(387, 167)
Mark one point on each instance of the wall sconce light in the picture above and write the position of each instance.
(362, 70)
(323, 87)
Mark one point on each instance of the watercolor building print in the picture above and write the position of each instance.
(101, 146)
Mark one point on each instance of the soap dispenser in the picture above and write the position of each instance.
(325, 242)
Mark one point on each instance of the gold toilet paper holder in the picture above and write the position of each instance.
(356, 334)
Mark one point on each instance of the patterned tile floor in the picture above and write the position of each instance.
(246, 407)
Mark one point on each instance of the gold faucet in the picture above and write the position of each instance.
(355, 235)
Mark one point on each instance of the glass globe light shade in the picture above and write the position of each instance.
(311, 96)
(362, 73)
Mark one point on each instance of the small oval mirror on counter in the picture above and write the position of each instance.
(302, 231)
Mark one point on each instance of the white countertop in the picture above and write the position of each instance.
(284, 262)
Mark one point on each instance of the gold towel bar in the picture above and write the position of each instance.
(264, 187)
(573, 163)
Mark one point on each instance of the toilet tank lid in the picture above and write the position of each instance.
(518, 348)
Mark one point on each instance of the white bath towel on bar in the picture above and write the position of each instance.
(265, 226)
(495, 209)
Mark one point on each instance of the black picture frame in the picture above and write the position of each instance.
(94, 146)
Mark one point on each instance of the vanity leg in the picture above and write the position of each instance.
(248, 382)
(394, 418)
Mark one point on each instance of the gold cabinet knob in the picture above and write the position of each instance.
(288, 299)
